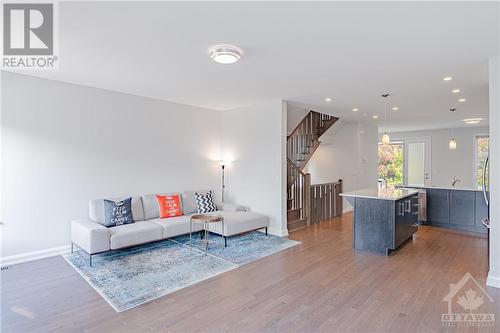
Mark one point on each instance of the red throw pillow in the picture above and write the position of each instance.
(170, 205)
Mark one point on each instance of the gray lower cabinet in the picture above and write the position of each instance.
(438, 206)
(456, 209)
(463, 207)
(406, 221)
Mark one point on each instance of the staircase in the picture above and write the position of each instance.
(301, 145)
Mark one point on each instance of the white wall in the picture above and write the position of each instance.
(253, 141)
(294, 115)
(446, 163)
(348, 151)
(494, 273)
(63, 144)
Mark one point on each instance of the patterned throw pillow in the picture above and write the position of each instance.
(118, 213)
(170, 205)
(205, 202)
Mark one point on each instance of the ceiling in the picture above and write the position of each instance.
(298, 51)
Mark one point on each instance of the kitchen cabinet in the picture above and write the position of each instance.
(462, 207)
(438, 206)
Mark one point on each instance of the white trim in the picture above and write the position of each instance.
(277, 232)
(493, 281)
(35, 255)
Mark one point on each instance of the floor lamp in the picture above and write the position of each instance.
(223, 166)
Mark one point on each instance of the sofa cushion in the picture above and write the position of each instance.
(237, 222)
(189, 201)
(134, 234)
(117, 213)
(151, 207)
(96, 208)
(176, 226)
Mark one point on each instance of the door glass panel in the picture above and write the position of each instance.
(416, 163)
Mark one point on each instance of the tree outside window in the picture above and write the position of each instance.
(390, 163)
(482, 146)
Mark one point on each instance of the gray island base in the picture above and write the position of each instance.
(383, 219)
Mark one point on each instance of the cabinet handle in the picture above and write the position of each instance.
(408, 210)
(401, 209)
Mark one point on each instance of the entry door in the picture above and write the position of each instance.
(417, 162)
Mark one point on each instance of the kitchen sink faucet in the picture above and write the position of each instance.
(455, 180)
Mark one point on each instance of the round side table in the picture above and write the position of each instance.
(206, 219)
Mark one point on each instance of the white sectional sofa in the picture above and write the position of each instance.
(92, 237)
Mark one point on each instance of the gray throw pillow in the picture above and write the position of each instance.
(117, 213)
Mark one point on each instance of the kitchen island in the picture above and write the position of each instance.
(383, 219)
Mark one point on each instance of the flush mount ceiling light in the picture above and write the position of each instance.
(375, 117)
(447, 78)
(225, 54)
(395, 108)
(455, 91)
(355, 110)
(472, 121)
(461, 100)
(328, 99)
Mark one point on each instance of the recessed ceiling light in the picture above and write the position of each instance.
(328, 99)
(395, 108)
(472, 121)
(375, 117)
(447, 78)
(461, 100)
(355, 109)
(225, 54)
(455, 91)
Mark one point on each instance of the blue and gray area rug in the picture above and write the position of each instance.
(127, 278)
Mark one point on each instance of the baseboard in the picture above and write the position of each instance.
(347, 210)
(277, 232)
(493, 281)
(35, 255)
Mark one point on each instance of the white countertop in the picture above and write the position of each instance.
(383, 194)
(457, 188)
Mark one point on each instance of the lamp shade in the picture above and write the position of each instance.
(385, 138)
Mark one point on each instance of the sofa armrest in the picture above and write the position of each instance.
(90, 236)
(227, 207)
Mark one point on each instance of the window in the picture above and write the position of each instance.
(390, 164)
(481, 146)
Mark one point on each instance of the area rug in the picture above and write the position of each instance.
(128, 278)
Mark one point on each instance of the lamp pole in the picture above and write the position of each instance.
(223, 183)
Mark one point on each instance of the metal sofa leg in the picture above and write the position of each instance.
(90, 260)
(225, 241)
(266, 231)
(71, 247)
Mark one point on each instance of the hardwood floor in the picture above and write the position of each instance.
(321, 285)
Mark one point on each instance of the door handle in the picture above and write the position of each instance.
(486, 223)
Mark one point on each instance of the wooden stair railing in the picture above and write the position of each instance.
(301, 145)
(298, 196)
(326, 203)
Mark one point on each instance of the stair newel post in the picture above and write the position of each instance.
(307, 197)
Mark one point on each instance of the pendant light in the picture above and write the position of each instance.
(453, 143)
(385, 137)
